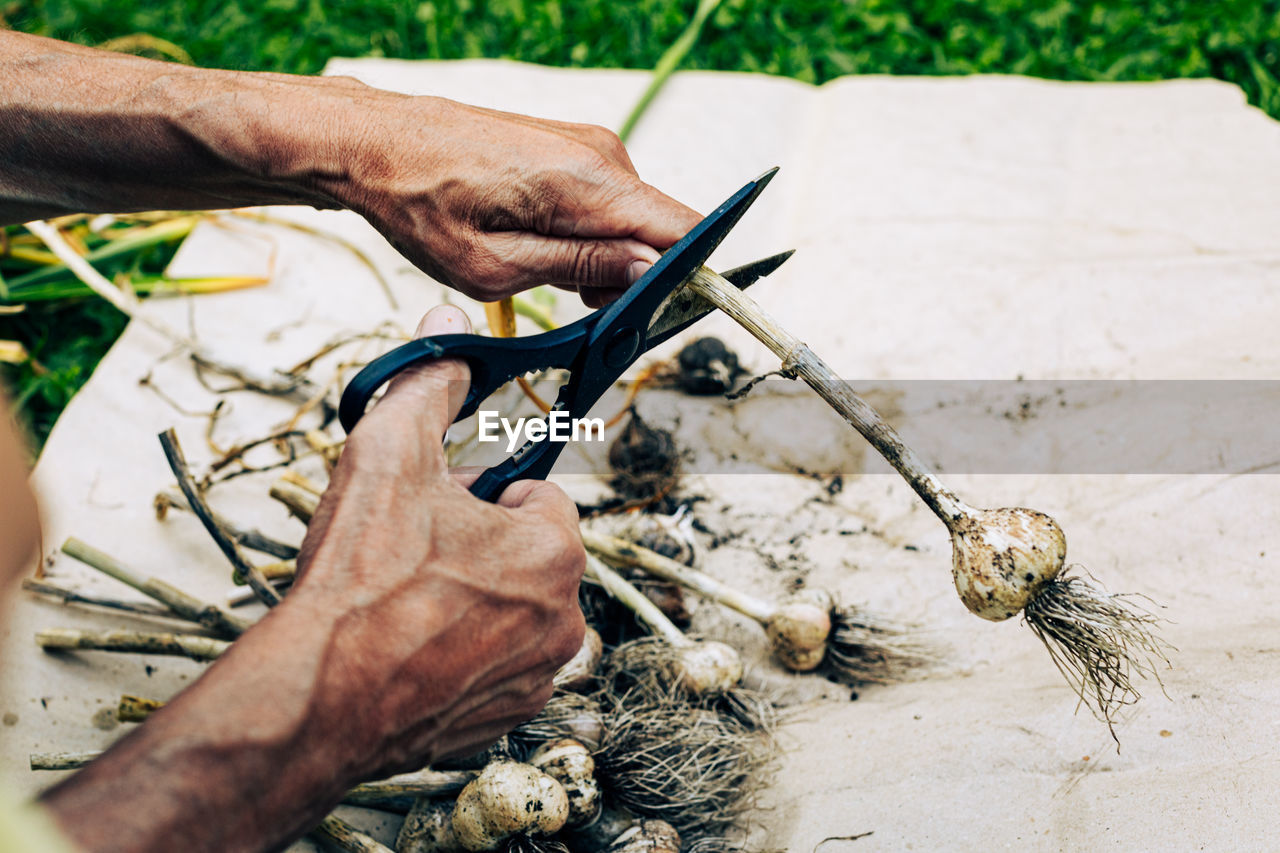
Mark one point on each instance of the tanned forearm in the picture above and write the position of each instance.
(233, 764)
(85, 130)
(489, 203)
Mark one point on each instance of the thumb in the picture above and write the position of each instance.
(431, 393)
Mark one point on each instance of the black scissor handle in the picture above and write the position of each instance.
(493, 361)
(596, 349)
(533, 461)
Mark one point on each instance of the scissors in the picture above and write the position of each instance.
(596, 350)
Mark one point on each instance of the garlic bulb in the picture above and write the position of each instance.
(708, 667)
(648, 836)
(798, 630)
(570, 763)
(428, 828)
(1002, 558)
(580, 672)
(600, 833)
(506, 799)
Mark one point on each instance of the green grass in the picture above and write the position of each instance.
(812, 40)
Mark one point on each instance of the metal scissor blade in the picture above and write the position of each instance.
(683, 308)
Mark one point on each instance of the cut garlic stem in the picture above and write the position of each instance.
(635, 601)
(797, 358)
(667, 569)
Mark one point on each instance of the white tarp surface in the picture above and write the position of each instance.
(977, 228)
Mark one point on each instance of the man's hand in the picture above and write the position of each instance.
(493, 203)
(437, 599)
(489, 203)
(425, 623)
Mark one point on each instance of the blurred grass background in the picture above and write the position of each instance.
(811, 40)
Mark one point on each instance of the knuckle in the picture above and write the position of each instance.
(537, 698)
(566, 640)
(587, 263)
(478, 270)
(566, 553)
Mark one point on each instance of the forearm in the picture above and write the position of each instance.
(238, 762)
(83, 130)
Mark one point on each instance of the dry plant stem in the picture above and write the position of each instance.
(351, 247)
(244, 570)
(300, 502)
(423, 783)
(303, 482)
(62, 760)
(636, 601)
(621, 551)
(501, 316)
(333, 831)
(135, 709)
(191, 646)
(253, 539)
(128, 304)
(328, 449)
(280, 574)
(799, 360)
(188, 607)
(71, 596)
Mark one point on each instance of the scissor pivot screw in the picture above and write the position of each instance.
(622, 347)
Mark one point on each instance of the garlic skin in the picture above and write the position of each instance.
(428, 828)
(586, 727)
(1002, 558)
(602, 831)
(580, 672)
(798, 630)
(648, 836)
(506, 799)
(708, 667)
(570, 763)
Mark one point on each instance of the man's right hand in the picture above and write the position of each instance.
(454, 612)
(425, 623)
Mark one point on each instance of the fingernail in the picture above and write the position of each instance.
(635, 270)
(443, 320)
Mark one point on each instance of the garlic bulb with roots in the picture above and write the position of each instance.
(699, 667)
(700, 769)
(806, 632)
(566, 715)
(707, 666)
(508, 799)
(570, 763)
(1003, 558)
(799, 628)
